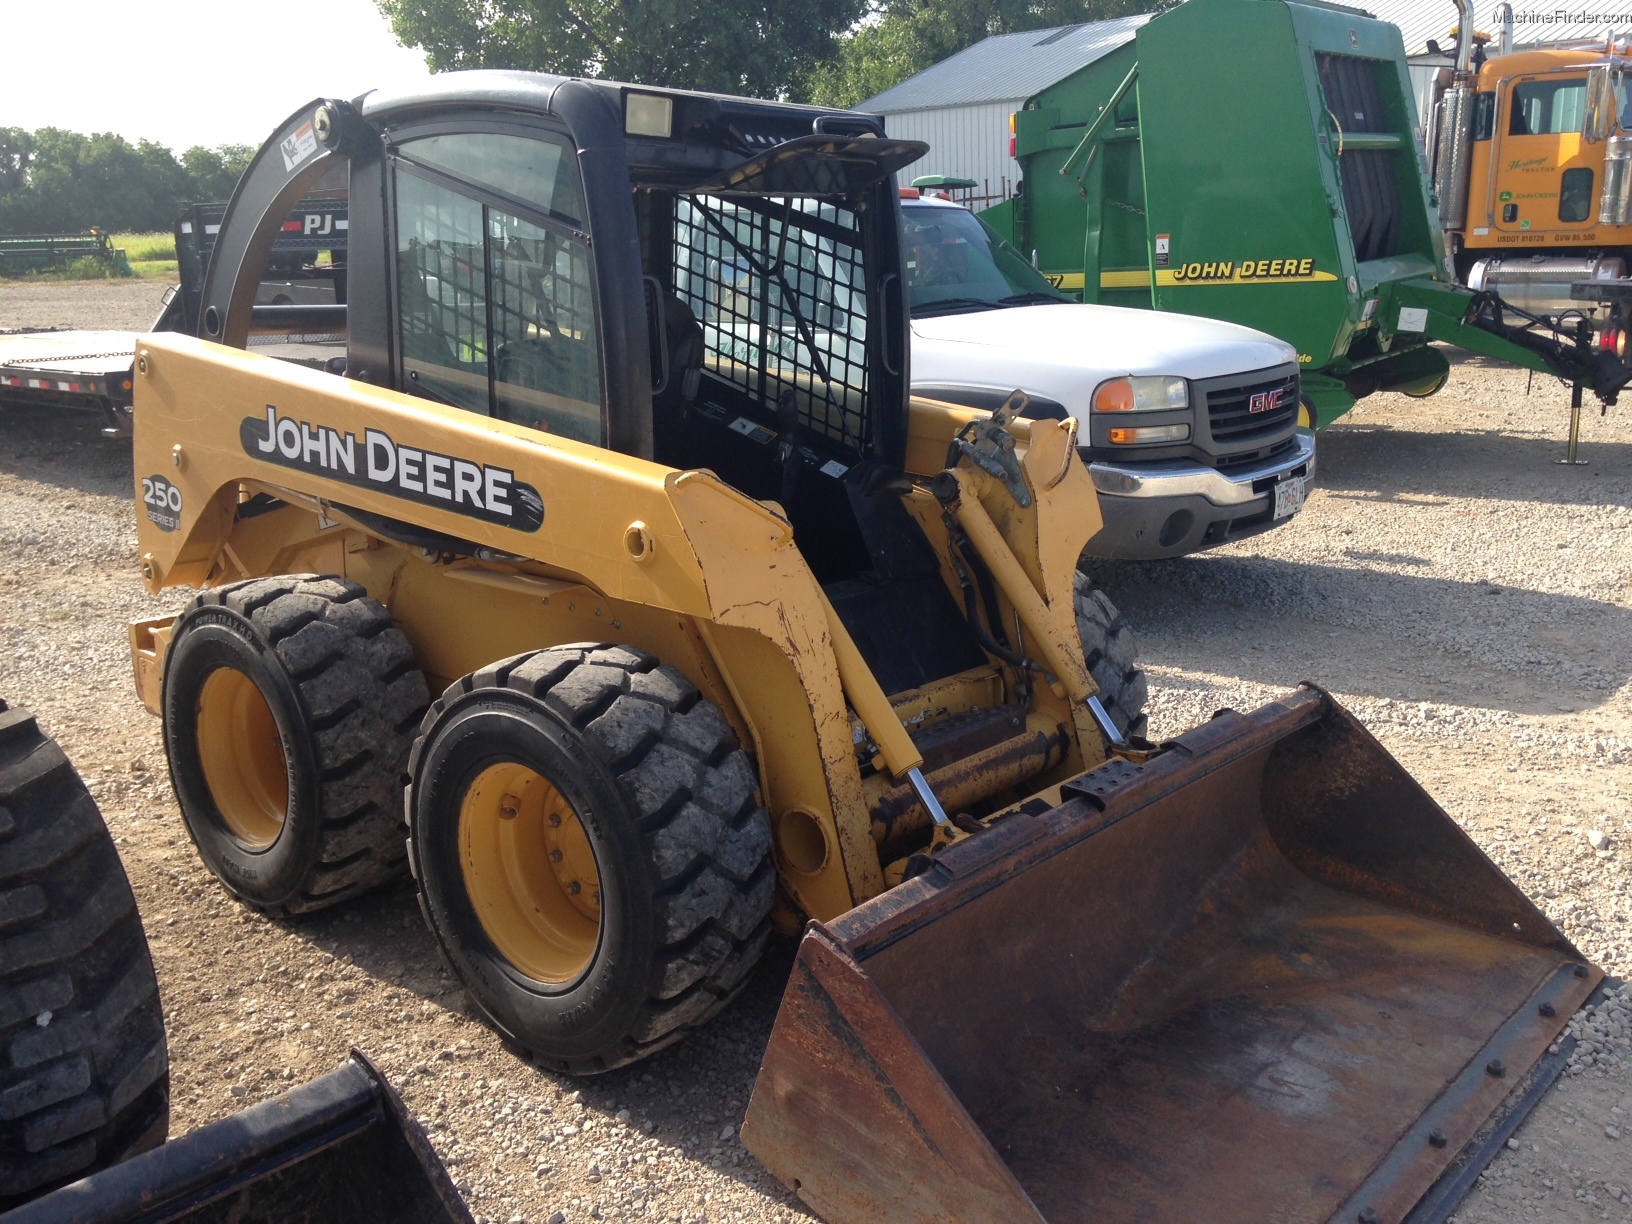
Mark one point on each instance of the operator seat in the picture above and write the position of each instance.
(685, 338)
(672, 401)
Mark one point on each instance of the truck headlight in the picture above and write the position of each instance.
(1149, 393)
(1149, 434)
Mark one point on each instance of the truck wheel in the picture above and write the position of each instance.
(84, 1081)
(289, 708)
(591, 852)
(1107, 645)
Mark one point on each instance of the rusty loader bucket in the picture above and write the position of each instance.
(1262, 977)
(338, 1150)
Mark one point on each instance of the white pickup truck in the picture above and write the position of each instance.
(1189, 426)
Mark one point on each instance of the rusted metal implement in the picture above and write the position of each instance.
(1260, 977)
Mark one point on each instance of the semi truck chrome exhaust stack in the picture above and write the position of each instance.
(1540, 284)
(1453, 143)
(1615, 201)
(1310, 1014)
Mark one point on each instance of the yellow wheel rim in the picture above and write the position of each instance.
(242, 755)
(530, 872)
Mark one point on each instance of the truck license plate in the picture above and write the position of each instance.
(1289, 495)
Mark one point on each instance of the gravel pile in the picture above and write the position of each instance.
(1513, 708)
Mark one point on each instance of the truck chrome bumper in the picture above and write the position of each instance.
(1192, 479)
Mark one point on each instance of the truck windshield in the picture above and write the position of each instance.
(956, 262)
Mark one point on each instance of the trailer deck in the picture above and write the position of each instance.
(71, 369)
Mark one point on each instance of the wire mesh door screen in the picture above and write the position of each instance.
(779, 287)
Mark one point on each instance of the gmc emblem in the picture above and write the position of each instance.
(1266, 401)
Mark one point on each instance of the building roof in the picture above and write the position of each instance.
(1420, 20)
(1006, 67)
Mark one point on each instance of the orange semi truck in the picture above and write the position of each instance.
(1532, 161)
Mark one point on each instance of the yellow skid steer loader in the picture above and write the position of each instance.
(595, 509)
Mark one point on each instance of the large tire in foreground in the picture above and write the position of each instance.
(84, 1077)
(290, 705)
(1108, 647)
(591, 851)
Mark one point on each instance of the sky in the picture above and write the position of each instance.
(209, 74)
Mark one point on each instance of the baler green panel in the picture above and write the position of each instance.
(1001, 218)
(1053, 215)
(1237, 174)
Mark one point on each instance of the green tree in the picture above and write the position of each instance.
(758, 47)
(213, 173)
(898, 38)
(54, 181)
(16, 151)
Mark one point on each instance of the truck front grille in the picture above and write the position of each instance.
(1248, 411)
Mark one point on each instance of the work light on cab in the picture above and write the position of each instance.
(1147, 394)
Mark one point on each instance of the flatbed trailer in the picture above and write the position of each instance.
(93, 371)
(70, 369)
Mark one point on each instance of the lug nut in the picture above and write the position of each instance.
(555, 820)
(1496, 1068)
(555, 856)
(574, 888)
(1368, 1215)
(1547, 1009)
(1436, 1138)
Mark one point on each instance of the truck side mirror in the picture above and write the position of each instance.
(1600, 105)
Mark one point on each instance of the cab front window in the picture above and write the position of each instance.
(1548, 108)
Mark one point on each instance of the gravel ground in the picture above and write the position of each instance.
(1467, 598)
(115, 305)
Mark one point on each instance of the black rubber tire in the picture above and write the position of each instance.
(345, 695)
(84, 1076)
(1112, 657)
(671, 808)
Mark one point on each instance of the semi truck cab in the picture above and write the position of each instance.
(1189, 426)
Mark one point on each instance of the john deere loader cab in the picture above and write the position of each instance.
(770, 314)
(622, 466)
